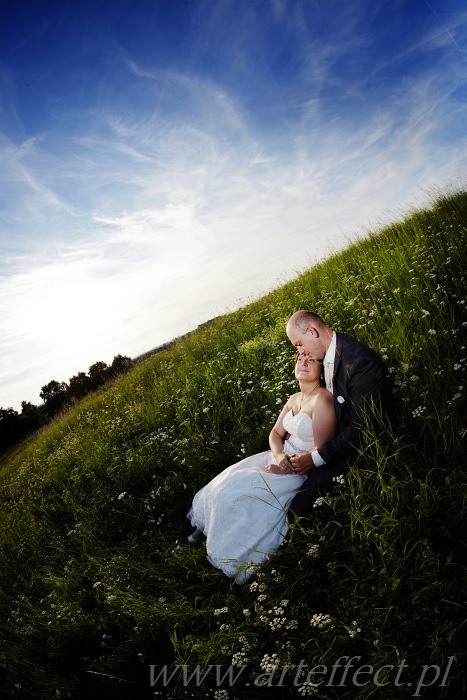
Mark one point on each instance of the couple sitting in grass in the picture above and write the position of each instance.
(243, 511)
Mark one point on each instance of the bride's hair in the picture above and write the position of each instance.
(321, 374)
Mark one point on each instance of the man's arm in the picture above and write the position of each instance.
(361, 389)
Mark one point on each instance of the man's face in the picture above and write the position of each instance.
(307, 341)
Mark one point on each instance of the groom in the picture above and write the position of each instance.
(358, 380)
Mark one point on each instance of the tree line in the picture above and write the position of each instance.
(56, 396)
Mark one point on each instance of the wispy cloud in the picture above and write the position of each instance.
(137, 215)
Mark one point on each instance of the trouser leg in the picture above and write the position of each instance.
(319, 482)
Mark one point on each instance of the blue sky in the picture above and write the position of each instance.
(164, 161)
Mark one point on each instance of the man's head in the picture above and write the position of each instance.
(308, 332)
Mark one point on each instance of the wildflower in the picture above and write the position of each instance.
(321, 620)
(313, 551)
(269, 663)
(238, 659)
(122, 495)
(246, 612)
(418, 411)
(355, 629)
(219, 611)
(338, 479)
(277, 611)
(221, 695)
(277, 623)
(432, 331)
(319, 502)
(308, 688)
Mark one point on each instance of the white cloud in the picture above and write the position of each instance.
(131, 224)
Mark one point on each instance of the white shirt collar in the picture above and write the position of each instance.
(331, 351)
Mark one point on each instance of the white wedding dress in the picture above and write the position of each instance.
(243, 510)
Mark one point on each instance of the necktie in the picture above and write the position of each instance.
(328, 375)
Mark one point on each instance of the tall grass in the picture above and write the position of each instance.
(97, 582)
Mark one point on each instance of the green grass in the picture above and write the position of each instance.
(97, 582)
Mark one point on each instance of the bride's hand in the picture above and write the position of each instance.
(273, 469)
(283, 465)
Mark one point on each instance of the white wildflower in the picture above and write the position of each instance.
(355, 629)
(219, 611)
(313, 551)
(308, 688)
(269, 663)
(321, 620)
(221, 695)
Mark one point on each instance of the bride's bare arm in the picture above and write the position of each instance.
(324, 427)
(276, 443)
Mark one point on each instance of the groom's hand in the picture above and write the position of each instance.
(302, 463)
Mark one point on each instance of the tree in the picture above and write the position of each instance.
(98, 374)
(10, 427)
(79, 385)
(121, 364)
(32, 417)
(54, 396)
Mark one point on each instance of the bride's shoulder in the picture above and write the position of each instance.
(324, 396)
(292, 400)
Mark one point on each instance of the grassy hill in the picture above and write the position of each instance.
(98, 589)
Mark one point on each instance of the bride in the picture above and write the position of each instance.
(243, 510)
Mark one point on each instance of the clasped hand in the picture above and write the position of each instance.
(292, 464)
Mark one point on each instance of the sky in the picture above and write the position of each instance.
(166, 161)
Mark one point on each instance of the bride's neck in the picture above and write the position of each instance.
(308, 387)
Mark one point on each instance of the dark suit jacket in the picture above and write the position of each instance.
(360, 379)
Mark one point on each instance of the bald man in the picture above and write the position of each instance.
(358, 380)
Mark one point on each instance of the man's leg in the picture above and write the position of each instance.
(319, 482)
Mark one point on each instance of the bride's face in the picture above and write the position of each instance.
(307, 369)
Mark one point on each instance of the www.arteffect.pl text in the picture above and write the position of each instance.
(345, 671)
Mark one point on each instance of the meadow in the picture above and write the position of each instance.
(99, 589)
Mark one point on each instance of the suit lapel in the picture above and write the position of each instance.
(336, 375)
(337, 358)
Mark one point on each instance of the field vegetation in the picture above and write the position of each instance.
(98, 587)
